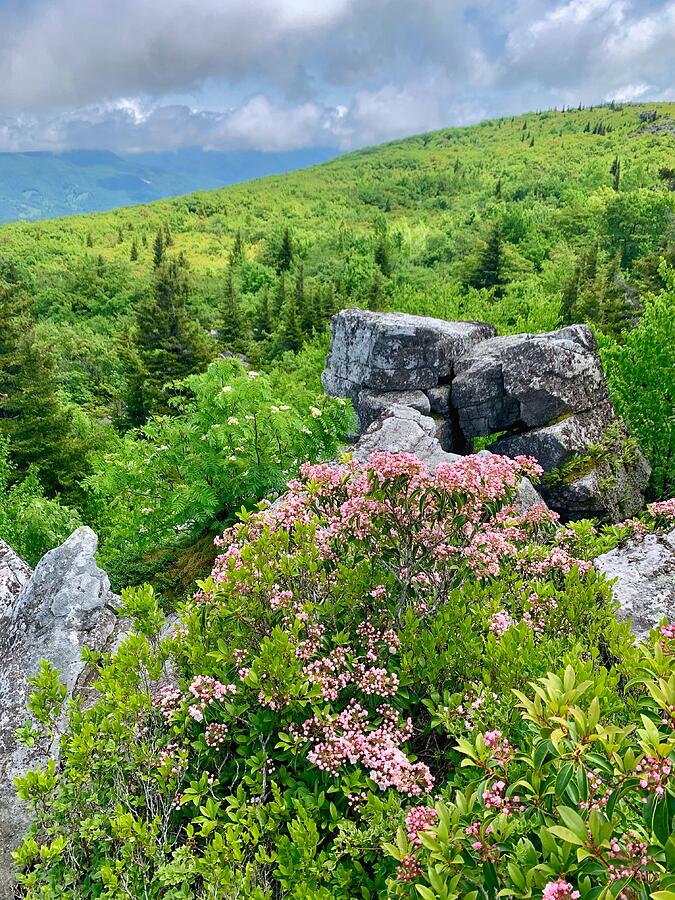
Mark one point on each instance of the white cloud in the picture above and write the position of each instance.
(284, 74)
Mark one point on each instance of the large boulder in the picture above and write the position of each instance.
(14, 573)
(395, 351)
(404, 430)
(371, 404)
(644, 569)
(526, 381)
(66, 605)
(554, 445)
(401, 429)
(611, 490)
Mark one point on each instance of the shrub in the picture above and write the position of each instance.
(356, 645)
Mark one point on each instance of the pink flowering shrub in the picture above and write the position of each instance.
(359, 662)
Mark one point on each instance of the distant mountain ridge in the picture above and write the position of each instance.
(45, 185)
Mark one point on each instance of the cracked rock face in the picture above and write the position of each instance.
(14, 573)
(66, 605)
(644, 569)
(394, 351)
(528, 380)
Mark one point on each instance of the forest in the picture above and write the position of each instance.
(394, 683)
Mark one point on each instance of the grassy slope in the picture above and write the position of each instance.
(413, 180)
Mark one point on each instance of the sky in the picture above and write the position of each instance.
(274, 75)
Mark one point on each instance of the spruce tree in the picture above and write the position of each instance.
(133, 255)
(489, 271)
(158, 249)
(231, 330)
(290, 332)
(237, 251)
(375, 296)
(168, 237)
(170, 344)
(90, 240)
(615, 172)
(285, 257)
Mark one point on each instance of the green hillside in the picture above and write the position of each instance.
(528, 222)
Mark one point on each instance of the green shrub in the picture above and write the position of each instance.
(331, 677)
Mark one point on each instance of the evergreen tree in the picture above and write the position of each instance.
(168, 237)
(263, 314)
(489, 269)
(37, 422)
(90, 240)
(615, 172)
(231, 327)
(133, 255)
(279, 299)
(120, 235)
(158, 249)
(375, 296)
(382, 255)
(290, 331)
(237, 251)
(285, 251)
(169, 344)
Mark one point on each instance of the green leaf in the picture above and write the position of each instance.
(566, 834)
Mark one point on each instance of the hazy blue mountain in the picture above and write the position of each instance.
(42, 185)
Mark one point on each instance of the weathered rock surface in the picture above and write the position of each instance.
(371, 404)
(644, 569)
(404, 430)
(528, 380)
(553, 445)
(14, 573)
(611, 491)
(546, 391)
(66, 605)
(394, 351)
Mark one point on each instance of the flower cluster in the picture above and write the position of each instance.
(494, 798)
(499, 745)
(348, 737)
(500, 623)
(419, 818)
(215, 734)
(559, 890)
(207, 690)
(664, 508)
(654, 774)
(167, 700)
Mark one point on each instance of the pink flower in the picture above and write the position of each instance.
(559, 890)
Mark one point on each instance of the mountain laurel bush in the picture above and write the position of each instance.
(394, 684)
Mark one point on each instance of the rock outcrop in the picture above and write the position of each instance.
(401, 429)
(386, 353)
(527, 381)
(64, 606)
(545, 393)
(14, 573)
(644, 569)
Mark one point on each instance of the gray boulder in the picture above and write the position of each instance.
(66, 605)
(612, 490)
(14, 573)
(404, 430)
(439, 399)
(527, 380)
(394, 351)
(371, 404)
(644, 569)
(553, 445)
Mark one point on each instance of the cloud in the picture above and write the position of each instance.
(286, 74)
